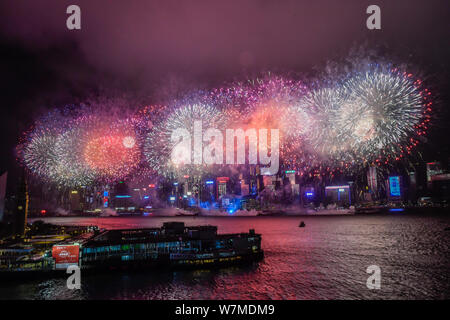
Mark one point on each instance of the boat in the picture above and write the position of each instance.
(172, 246)
(301, 225)
(187, 214)
(214, 212)
(333, 211)
(319, 211)
(169, 212)
(366, 209)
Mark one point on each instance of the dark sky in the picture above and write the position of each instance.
(147, 46)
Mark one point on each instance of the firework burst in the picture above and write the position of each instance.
(386, 112)
(371, 114)
(81, 147)
(159, 146)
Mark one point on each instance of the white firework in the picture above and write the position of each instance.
(159, 147)
(383, 111)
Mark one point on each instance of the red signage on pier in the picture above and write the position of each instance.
(65, 255)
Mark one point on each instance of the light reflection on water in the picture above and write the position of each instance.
(325, 260)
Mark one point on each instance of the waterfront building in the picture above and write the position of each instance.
(308, 195)
(74, 201)
(122, 200)
(338, 194)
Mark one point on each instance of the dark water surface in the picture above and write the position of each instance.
(325, 260)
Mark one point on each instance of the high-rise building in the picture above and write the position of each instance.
(372, 179)
(268, 182)
(412, 190)
(209, 191)
(290, 174)
(294, 187)
(122, 199)
(222, 183)
(245, 188)
(433, 168)
(21, 209)
(187, 187)
(308, 195)
(75, 201)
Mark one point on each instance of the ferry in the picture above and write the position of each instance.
(174, 245)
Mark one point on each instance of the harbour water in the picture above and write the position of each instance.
(327, 259)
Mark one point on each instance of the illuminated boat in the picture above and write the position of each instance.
(330, 210)
(172, 246)
(168, 212)
(229, 213)
(333, 211)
